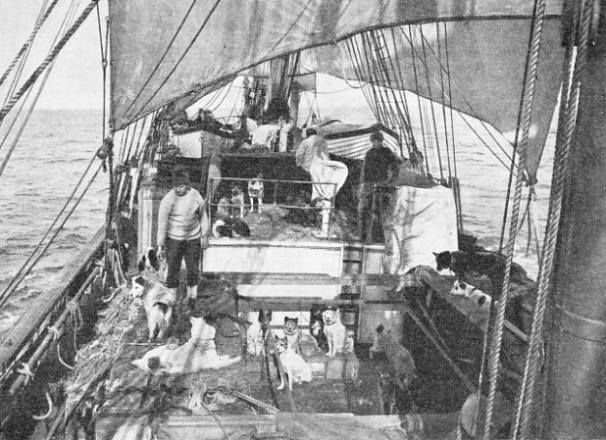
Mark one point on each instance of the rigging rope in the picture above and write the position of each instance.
(22, 60)
(414, 66)
(412, 142)
(180, 59)
(471, 110)
(29, 264)
(11, 149)
(103, 69)
(433, 116)
(529, 85)
(170, 45)
(568, 114)
(29, 41)
(452, 130)
(443, 103)
(49, 59)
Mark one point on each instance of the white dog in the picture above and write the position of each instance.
(158, 302)
(255, 191)
(294, 365)
(335, 331)
(196, 354)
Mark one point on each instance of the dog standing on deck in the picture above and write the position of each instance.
(255, 191)
(158, 302)
(335, 331)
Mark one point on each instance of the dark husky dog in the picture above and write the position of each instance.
(491, 264)
(316, 325)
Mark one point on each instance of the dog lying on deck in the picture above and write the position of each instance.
(158, 302)
(491, 264)
(473, 293)
(198, 353)
(230, 227)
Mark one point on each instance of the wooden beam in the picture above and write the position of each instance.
(382, 280)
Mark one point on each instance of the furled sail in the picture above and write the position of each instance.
(172, 50)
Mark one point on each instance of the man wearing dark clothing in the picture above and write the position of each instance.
(380, 167)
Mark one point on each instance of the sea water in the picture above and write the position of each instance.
(58, 145)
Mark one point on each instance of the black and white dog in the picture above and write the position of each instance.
(151, 266)
(230, 227)
(462, 264)
(255, 191)
(158, 302)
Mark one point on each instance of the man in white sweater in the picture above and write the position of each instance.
(182, 231)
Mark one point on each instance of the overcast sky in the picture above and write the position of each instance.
(76, 79)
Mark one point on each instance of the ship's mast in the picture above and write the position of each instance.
(576, 361)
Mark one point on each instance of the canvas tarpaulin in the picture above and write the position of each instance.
(421, 221)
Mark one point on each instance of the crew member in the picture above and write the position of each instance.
(182, 232)
(380, 167)
(312, 156)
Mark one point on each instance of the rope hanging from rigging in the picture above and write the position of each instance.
(528, 97)
(573, 71)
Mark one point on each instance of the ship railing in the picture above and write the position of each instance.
(44, 321)
(276, 185)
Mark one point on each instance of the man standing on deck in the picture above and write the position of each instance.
(380, 167)
(182, 232)
(312, 156)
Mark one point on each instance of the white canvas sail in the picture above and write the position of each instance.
(171, 50)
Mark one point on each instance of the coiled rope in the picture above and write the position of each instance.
(529, 85)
